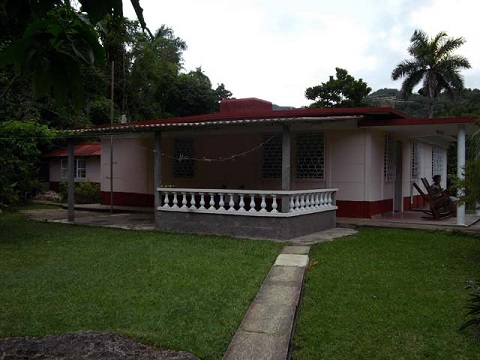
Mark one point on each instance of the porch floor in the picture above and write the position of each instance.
(413, 220)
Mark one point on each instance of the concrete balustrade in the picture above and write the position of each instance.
(247, 202)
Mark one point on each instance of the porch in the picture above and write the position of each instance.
(264, 214)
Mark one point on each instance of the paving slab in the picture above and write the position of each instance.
(269, 318)
(287, 275)
(292, 260)
(278, 294)
(296, 249)
(258, 346)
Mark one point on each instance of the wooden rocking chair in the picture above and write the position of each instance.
(441, 205)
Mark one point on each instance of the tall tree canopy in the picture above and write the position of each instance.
(55, 39)
(341, 91)
(434, 65)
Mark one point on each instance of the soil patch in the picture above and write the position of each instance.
(85, 345)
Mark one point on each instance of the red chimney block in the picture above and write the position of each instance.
(248, 105)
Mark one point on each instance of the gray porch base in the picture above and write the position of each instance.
(255, 227)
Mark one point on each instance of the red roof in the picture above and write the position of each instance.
(83, 149)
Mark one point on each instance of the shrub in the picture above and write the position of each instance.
(474, 304)
(86, 192)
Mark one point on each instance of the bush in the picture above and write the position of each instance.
(474, 304)
(86, 192)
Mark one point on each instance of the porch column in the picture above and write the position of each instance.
(71, 180)
(460, 171)
(286, 165)
(157, 167)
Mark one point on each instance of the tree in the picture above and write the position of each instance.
(342, 91)
(194, 95)
(56, 38)
(434, 65)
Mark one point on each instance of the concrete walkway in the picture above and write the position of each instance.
(266, 331)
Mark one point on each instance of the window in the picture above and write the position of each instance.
(184, 164)
(388, 159)
(437, 161)
(310, 159)
(415, 160)
(272, 157)
(80, 168)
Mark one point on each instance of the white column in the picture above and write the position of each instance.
(460, 171)
(286, 166)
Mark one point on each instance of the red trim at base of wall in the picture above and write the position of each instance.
(418, 202)
(363, 209)
(127, 199)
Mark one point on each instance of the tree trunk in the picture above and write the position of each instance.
(430, 106)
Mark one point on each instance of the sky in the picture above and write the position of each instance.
(275, 49)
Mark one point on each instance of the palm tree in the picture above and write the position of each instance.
(434, 65)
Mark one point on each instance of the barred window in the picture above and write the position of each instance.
(388, 159)
(272, 157)
(437, 161)
(184, 164)
(415, 160)
(310, 159)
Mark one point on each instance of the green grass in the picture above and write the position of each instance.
(389, 294)
(178, 292)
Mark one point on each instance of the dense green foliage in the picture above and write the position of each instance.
(19, 156)
(341, 91)
(434, 65)
(388, 294)
(56, 61)
(180, 292)
(86, 192)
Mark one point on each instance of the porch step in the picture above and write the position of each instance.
(266, 331)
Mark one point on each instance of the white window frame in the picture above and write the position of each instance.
(79, 171)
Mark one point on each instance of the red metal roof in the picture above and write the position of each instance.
(251, 117)
(83, 149)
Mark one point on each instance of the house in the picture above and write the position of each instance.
(268, 173)
(86, 164)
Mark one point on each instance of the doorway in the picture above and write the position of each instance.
(398, 196)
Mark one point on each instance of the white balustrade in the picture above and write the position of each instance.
(234, 202)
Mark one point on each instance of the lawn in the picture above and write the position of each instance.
(179, 292)
(389, 294)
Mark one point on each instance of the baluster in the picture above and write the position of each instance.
(175, 200)
(291, 204)
(297, 203)
(322, 200)
(274, 203)
(329, 198)
(252, 203)
(317, 200)
(231, 203)
(263, 204)
(184, 200)
(212, 202)
(202, 201)
(193, 204)
(302, 202)
(166, 200)
(221, 203)
(307, 201)
(241, 204)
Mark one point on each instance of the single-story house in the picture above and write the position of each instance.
(273, 173)
(86, 164)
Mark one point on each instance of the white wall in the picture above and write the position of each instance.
(132, 165)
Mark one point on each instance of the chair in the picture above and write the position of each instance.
(441, 205)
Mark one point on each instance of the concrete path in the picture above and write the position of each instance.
(266, 331)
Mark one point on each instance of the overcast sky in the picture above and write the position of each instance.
(275, 49)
